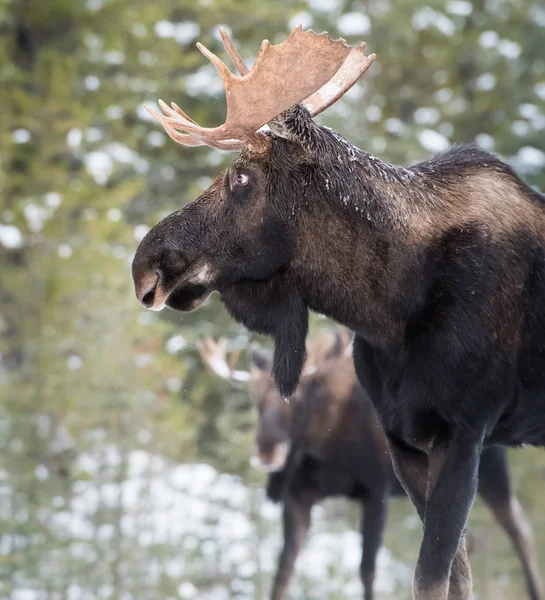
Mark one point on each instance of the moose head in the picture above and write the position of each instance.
(326, 381)
(247, 235)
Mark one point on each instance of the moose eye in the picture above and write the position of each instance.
(241, 179)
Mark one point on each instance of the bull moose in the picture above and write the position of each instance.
(438, 268)
(338, 448)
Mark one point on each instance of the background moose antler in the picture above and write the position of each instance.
(307, 68)
(214, 356)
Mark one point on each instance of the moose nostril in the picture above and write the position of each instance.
(147, 298)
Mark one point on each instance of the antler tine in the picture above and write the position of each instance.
(214, 356)
(355, 65)
(189, 139)
(182, 113)
(185, 139)
(226, 75)
(177, 116)
(233, 53)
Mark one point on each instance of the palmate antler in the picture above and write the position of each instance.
(214, 356)
(307, 68)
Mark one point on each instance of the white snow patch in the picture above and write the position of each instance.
(140, 231)
(114, 57)
(36, 216)
(52, 199)
(373, 113)
(539, 89)
(156, 139)
(64, 251)
(41, 472)
(426, 116)
(74, 137)
(164, 29)
(355, 92)
(443, 95)
(485, 141)
(92, 83)
(10, 236)
(426, 17)
(537, 13)
(324, 5)
(531, 157)
(486, 82)
(186, 31)
(528, 111)
(488, 39)
(521, 128)
(509, 49)
(74, 362)
(203, 518)
(187, 590)
(121, 153)
(93, 134)
(354, 23)
(21, 136)
(114, 215)
(205, 81)
(25, 594)
(183, 32)
(304, 19)
(175, 344)
(394, 125)
(99, 165)
(432, 141)
(459, 7)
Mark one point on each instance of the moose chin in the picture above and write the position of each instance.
(438, 268)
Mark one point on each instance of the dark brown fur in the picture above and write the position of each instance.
(439, 268)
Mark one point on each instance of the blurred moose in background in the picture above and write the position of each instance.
(327, 441)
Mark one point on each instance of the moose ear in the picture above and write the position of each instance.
(259, 358)
(296, 125)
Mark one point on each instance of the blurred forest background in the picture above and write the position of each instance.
(124, 465)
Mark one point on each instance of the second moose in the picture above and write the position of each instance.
(338, 448)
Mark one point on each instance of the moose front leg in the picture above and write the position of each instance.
(418, 474)
(373, 523)
(296, 518)
(453, 473)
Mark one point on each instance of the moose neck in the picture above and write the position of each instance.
(357, 257)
